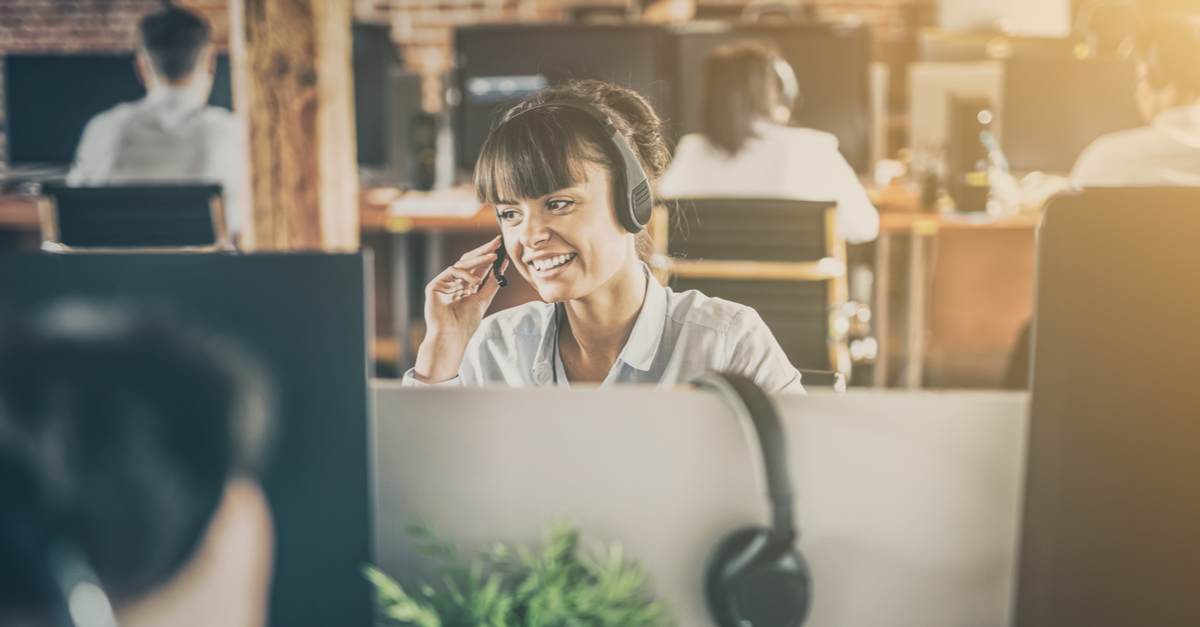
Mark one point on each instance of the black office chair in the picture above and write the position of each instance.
(784, 258)
(133, 218)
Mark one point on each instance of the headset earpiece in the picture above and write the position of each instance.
(789, 86)
(755, 576)
(752, 577)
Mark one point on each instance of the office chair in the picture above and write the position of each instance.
(133, 218)
(784, 258)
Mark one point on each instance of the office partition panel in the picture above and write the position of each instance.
(305, 316)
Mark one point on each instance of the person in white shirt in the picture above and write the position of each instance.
(1167, 152)
(549, 173)
(171, 134)
(746, 148)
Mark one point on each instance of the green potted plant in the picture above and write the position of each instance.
(556, 586)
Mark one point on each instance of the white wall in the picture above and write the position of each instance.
(907, 502)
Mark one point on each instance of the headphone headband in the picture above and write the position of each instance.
(751, 404)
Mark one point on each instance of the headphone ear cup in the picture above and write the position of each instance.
(752, 582)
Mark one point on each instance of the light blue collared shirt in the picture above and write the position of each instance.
(675, 338)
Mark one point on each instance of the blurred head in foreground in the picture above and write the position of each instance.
(129, 447)
(176, 50)
(1168, 47)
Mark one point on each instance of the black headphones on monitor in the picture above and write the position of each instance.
(632, 195)
(756, 577)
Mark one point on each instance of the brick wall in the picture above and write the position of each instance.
(423, 28)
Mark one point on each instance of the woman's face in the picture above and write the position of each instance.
(568, 243)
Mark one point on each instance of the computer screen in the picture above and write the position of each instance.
(49, 99)
(501, 64)
(1053, 108)
(831, 65)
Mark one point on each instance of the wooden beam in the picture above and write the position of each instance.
(293, 88)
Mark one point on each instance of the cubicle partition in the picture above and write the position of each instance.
(305, 315)
(1112, 500)
(907, 503)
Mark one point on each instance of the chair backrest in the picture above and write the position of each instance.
(798, 312)
(750, 229)
(1113, 476)
(133, 217)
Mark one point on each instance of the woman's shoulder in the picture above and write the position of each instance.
(807, 136)
(694, 308)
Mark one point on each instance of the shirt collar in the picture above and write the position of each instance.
(639, 350)
(647, 332)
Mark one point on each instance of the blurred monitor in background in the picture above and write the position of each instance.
(172, 134)
(501, 64)
(130, 447)
(1053, 107)
(1030, 18)
(1167, 95)
(746, 149)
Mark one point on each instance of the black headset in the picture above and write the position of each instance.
(631, 187)
(756, 577)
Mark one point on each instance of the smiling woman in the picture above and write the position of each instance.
(568, 172)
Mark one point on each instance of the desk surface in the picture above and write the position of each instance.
(930, 223)
(18, 212)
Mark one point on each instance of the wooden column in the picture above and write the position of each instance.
(293, 88)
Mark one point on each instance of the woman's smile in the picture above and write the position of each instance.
(548, 265)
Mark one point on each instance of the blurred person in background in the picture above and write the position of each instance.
(172, 134)
(1167, 92)
(129, 448)
(746, 148)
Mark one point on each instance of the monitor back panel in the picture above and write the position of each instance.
(1112, 497)
(305, 315)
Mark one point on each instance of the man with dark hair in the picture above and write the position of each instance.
(171, 134)
(1167, 152)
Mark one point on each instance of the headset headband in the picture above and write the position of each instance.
(751, 404)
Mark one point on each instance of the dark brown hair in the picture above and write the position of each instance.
(174, 37)
(533, 153)
(1170, 44)
(740, 87)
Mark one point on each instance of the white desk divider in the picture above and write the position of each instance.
(907, 502)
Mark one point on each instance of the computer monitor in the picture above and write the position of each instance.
(501, 64)
(931, 85)
(305, 316)
(1051, 109)
(49, 99)
(1112, 486)
(831, 64)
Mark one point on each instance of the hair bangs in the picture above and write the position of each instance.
(535, 153)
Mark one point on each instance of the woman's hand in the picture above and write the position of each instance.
(454, 307)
